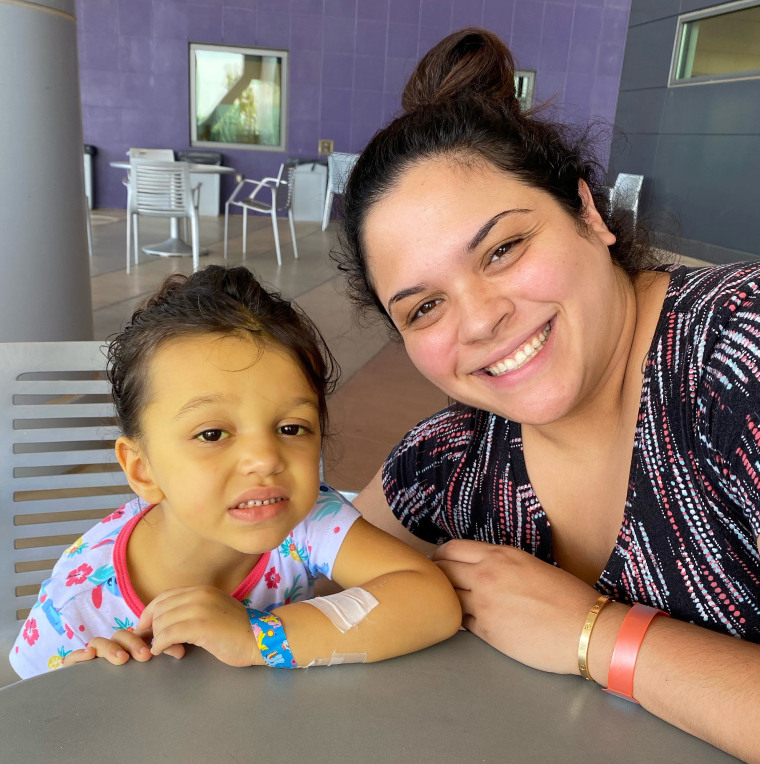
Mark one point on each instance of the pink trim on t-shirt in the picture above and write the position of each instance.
(133, 602)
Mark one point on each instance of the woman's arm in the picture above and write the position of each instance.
(703, 682)
(372, 504)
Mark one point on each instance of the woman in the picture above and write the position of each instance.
(600, 466)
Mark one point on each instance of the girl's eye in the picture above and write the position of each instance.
(503, 250)
(293, 429)
(211, 436)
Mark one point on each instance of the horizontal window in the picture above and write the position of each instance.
(719, 43)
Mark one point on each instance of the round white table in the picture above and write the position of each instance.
(175, 245)
(460, 701)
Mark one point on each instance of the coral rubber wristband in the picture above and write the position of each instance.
(626, 651)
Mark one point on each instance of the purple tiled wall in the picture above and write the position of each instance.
(349, 60)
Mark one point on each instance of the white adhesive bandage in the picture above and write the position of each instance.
(345, 609)
(338, 658)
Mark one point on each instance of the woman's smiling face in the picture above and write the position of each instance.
(503, 302)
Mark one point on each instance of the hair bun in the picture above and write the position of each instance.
(469, 63)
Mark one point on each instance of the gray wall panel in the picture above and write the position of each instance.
(698, 146)
(648, 52)
(711, 183)
(721, 107)
(641, 111)
(643, 11)
(687, 6)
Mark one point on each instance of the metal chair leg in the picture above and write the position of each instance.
(293, 233)
(276, 236)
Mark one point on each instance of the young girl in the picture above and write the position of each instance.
(220, 390)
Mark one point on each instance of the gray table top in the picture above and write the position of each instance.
(460, 701)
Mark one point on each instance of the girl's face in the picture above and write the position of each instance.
(231, 443)
(501, 301)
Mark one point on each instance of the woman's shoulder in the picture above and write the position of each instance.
(713, 288)
(444, 438)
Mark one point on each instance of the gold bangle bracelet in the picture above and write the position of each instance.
(586, 636)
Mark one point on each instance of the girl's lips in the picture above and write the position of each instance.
(259, 495)
(259, 512)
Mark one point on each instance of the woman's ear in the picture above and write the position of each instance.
(592, 217)
(136, 467)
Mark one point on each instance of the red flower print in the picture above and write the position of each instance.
(272, 578)
(78, 575)
(336, 529)
(113, 516)
(31, 634)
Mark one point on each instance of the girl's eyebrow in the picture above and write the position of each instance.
(207, 400)
(481, 234)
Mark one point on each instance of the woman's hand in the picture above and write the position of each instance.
(203, 616)
(529, 610)
(117, 650)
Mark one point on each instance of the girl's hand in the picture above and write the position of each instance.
(116, 650)
(203, 616)
(529, 610)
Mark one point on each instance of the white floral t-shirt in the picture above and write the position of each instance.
(89, 593)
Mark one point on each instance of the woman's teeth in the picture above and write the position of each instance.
(522, 356)
(254, 503)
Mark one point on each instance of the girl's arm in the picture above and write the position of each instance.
(416, 605)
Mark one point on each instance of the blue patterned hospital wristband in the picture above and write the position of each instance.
(271, 639)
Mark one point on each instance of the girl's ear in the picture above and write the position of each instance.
(136, 467)
(592, 217)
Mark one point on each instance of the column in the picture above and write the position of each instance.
(44, 262)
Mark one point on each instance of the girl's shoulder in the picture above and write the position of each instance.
(88, 562)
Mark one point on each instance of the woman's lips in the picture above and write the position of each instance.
(523, 355)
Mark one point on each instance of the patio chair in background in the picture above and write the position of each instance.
(58, 470)
(160, 189)
(339, 167)
(625, 194)
(266, 197)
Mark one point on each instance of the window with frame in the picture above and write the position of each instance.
(238, 97)
(719, 43)
(525, 82)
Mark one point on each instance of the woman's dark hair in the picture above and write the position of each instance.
(221, 301)
(460, 103)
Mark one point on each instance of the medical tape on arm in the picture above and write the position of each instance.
(345, 609)
(338, 658)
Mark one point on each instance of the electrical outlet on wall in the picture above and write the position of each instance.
(325, 146)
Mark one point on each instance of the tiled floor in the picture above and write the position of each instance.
(380, 394)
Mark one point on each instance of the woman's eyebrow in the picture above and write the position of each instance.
(485, 229)
(481, 234)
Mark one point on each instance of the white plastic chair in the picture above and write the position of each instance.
(625, 194)
(339, 167)
(58, 470)
(160, 189)
(280, 198)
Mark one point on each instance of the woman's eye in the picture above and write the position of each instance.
(293, 429)
(503, 249)
(211, 436)
(424, 309)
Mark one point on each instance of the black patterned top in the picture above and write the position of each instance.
(688, 540)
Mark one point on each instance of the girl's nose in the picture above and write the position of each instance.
(481, 312)
(259, 454)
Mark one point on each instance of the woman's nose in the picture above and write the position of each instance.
(481, 312)
(259, 455)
